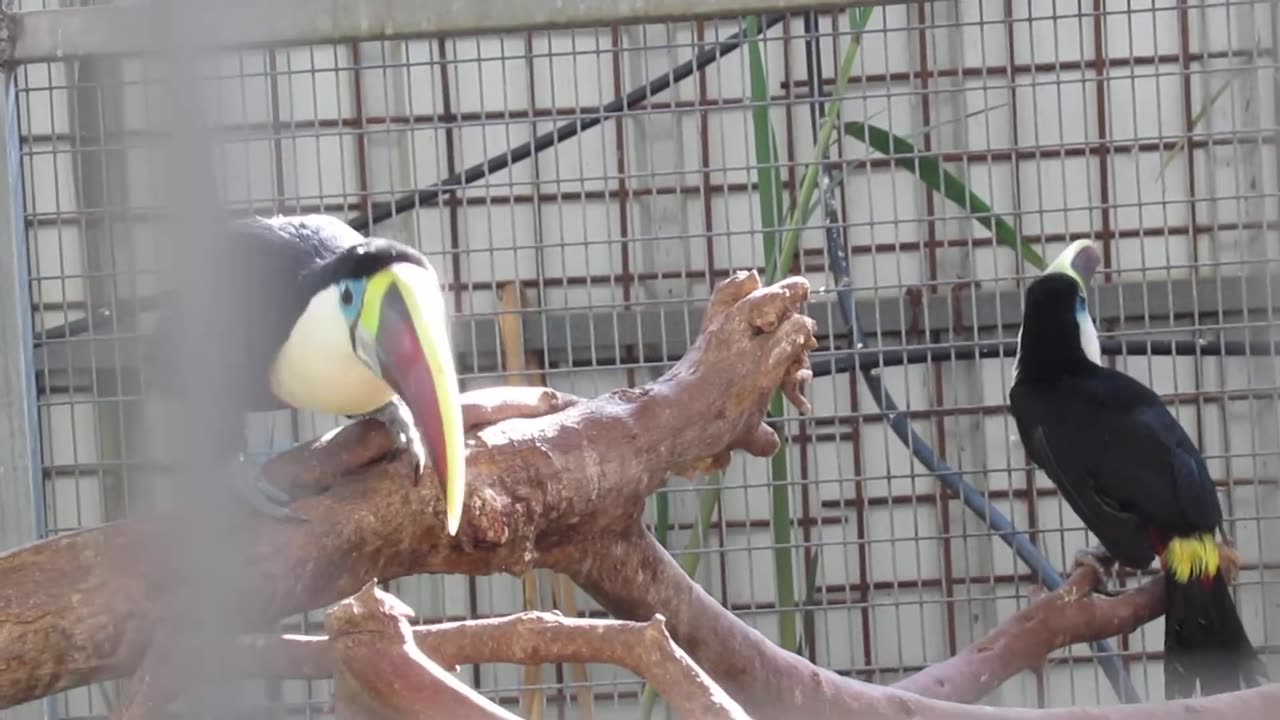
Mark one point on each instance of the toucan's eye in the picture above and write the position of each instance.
(347, 298)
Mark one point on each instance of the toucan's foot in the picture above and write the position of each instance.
(1101, 560)
(396, 415)
(261, 495)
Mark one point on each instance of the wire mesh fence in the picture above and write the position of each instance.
(594, 183)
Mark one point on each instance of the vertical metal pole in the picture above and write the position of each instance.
(22, 511)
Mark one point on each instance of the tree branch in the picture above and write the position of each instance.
(82, 607)
(777, 684)
(1072, 614)
(380, 674)
(564, 490)
(527, 638)
(631, 576)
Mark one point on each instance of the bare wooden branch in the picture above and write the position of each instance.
(297, 656)
(1072, 614)
(632, 576)
(82, 607)
(380, 674)
(154, 686)
(563, 490)
(533, 638)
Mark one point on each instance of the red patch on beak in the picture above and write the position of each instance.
(408, 371)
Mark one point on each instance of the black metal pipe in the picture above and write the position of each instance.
(502, 161)
(432, 194)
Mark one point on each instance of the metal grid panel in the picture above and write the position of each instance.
(1080, 104)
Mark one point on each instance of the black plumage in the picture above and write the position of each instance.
(1134, 477)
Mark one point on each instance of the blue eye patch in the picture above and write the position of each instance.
(350, 297)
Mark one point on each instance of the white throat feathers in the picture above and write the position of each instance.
(317, 367)
(1088, 335)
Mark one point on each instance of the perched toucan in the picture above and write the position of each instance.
(321, 318)
(1130, 472)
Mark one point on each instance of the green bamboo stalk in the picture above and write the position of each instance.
(709, 500)
(776, 263)
(769, 185)
(858, 18)
(768, 173)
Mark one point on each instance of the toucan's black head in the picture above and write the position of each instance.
(1054, 300)
(1057, 335)
(362, 260)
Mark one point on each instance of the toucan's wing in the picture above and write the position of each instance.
(1119, 458)
(1118, 529)
(1189, 500)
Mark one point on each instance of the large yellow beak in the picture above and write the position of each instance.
(404, 321)
(1080, 260)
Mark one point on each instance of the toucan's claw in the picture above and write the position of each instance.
(396, 416)
(1100, 559)
(261, 495)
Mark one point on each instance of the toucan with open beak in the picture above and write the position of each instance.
(1130, 472)
(325, 319)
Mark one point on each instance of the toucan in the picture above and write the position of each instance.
(322, 318)
(1130, 472)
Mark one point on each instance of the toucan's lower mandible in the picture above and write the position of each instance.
(400, 333)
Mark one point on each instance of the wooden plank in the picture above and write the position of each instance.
(511, 333)
(516, 359)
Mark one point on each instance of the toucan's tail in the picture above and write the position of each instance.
(1204, 641)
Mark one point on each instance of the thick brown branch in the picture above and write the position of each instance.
(632, 576)
(380, 674)
(154, 686)
(535, 638)
(82, 607)
(528, 638)
(564, 491)
(315, 467)
(1072, 614)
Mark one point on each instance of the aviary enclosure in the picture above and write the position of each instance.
(585, 175)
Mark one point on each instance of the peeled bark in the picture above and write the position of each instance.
(82, 607)
(531, 638)
(1071, 614)
(380, 674)
(563, 490)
